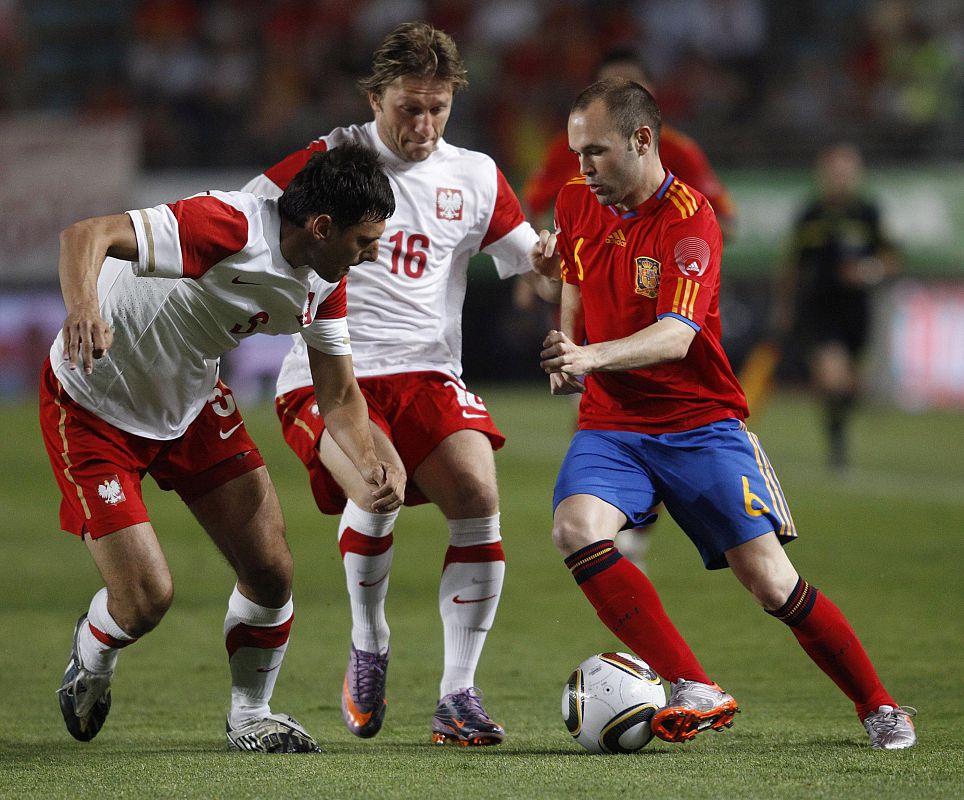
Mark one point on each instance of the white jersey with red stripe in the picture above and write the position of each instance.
(405, 310)
(209, 273)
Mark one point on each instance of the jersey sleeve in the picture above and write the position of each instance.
(508, 238)
(330, 336)
(335, 306)
(690, 271)
(185, 239)
(328, 331)
(274, 180)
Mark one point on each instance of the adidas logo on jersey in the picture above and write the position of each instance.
(617, 237)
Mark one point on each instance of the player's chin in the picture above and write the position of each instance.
(602, 196)
(419, 152)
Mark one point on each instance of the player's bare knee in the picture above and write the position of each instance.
(143, 608)
(770, 588)
(469, 498)
(269, 578)
(568, 535)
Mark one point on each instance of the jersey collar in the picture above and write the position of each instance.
(649, 204)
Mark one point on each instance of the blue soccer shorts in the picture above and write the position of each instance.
(715, 480)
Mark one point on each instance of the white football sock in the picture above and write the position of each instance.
(367, 547)
(469, 595)
(98, 651)
(256, 638)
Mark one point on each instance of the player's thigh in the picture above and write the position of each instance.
(459, 476)
(720, 487)
(135, 572)
(344, 471)
(445, 437)
(244, 519)
(581, 519)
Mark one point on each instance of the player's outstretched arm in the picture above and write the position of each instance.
(343, 407)
(83, 248)
(666, 340)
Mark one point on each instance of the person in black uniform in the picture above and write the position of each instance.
(838, 255)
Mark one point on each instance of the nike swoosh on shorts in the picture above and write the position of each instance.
(226, 434)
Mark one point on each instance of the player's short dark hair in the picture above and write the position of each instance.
(415, 49)
(347, 183)
(630, 106)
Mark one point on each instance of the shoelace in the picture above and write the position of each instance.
(468, 704)
(883, 722)
(691, 691)
(369, 675)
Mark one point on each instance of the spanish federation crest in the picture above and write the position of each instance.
(647, 276)
(448, 203)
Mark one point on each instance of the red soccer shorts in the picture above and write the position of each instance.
(99, 467)
(416, 410)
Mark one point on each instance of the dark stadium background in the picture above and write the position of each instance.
(110, 105)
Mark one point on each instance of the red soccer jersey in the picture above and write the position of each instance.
(660, 259)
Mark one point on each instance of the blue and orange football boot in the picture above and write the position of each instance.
(460, 719)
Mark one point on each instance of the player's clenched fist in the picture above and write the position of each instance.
(564, 360)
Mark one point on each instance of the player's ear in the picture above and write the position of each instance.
(321, 226)
(643, 139)
(375, 101)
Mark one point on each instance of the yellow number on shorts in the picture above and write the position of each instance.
(749, 499)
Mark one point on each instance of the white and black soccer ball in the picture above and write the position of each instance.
(609, 700)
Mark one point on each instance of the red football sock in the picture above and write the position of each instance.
(627, 602)
(826, 636)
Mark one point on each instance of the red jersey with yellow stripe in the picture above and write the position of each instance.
(660, 259)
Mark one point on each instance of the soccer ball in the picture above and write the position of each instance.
(608, 701)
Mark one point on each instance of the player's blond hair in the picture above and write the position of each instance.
(415, 49)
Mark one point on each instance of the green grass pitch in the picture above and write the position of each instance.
(885, 542)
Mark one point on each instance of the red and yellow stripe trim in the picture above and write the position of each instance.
(684, 301)
(778, 503)
(681, 197)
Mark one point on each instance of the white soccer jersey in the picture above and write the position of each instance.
(405, 311)
(209, 273)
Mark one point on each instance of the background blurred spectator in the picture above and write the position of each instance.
(219, 83)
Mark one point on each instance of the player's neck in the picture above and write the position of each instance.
(291, 244)
(651, 178)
